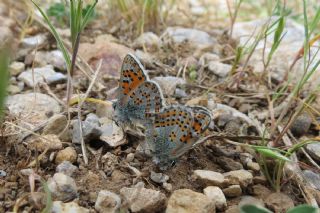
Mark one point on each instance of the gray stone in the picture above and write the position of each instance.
(90, 131)
(242, 177)
(148, 40)
(228, 164)
(159, 177)
(56, 124)
(41, 75)
(113, 134)
(36, 105)
(188, 201)
(62, 187)
(279, 202)
(143, 200)
(219, 69)
(314, 150)
(208, 57)
(312, 178)
(71, 207)
(33, 41)
(233, 191)
(56, 59)
(2, 173)
(301, 124)
(66, 168)
(216, 195)
(16, 68)
(208, 178)
(169, 84)
(249, 200)
(260, 191)
(107, 202)
(196, 38)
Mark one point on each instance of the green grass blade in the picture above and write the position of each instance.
(249, 208)
(4, 76)
(49, 202)
(271, 153)
(87, 16)
(55, 34)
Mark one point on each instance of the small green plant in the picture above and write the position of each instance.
(257, 209)
(192, 73)
(61, 12)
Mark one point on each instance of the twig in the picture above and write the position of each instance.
(80, 103)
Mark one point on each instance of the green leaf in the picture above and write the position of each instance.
(271, 153)
(248, 208)
(303, 209)
(4, 76)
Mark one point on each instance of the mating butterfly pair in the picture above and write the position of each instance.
(170, 130)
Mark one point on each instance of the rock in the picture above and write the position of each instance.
(208, 57)
(67, 154)
(112, 54)
(242, 177)
(113, 134)
(13, 89)
(35, 105)
(314, 150)
(312, 178)
(107, 202)
(56, 124)
(90, 129)
(194, 37)
(259, 180)
(50, 142)
(109, 161)
(159, 177)
(41, 75)
(233, 209)
(219, 69)
(260, 191)
(169, 84)
(56, 59)
(16, 68)
(179, 93)
(233, 191)
(33, 41)
(62, 187)
(71, 207)
(6, 36)
(249, 200)
(167, 187)
(216, 195)
(208, 178)
(301, 124)
(254, 166)
(228, 164)
(2, 173)
(279, 202)
(145, 58)
(130, 157)
(148, 40)
(188, 201)
(143, 200)
(66, 168)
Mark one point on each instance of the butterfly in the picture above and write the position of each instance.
(175, 130)
(138, 97)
